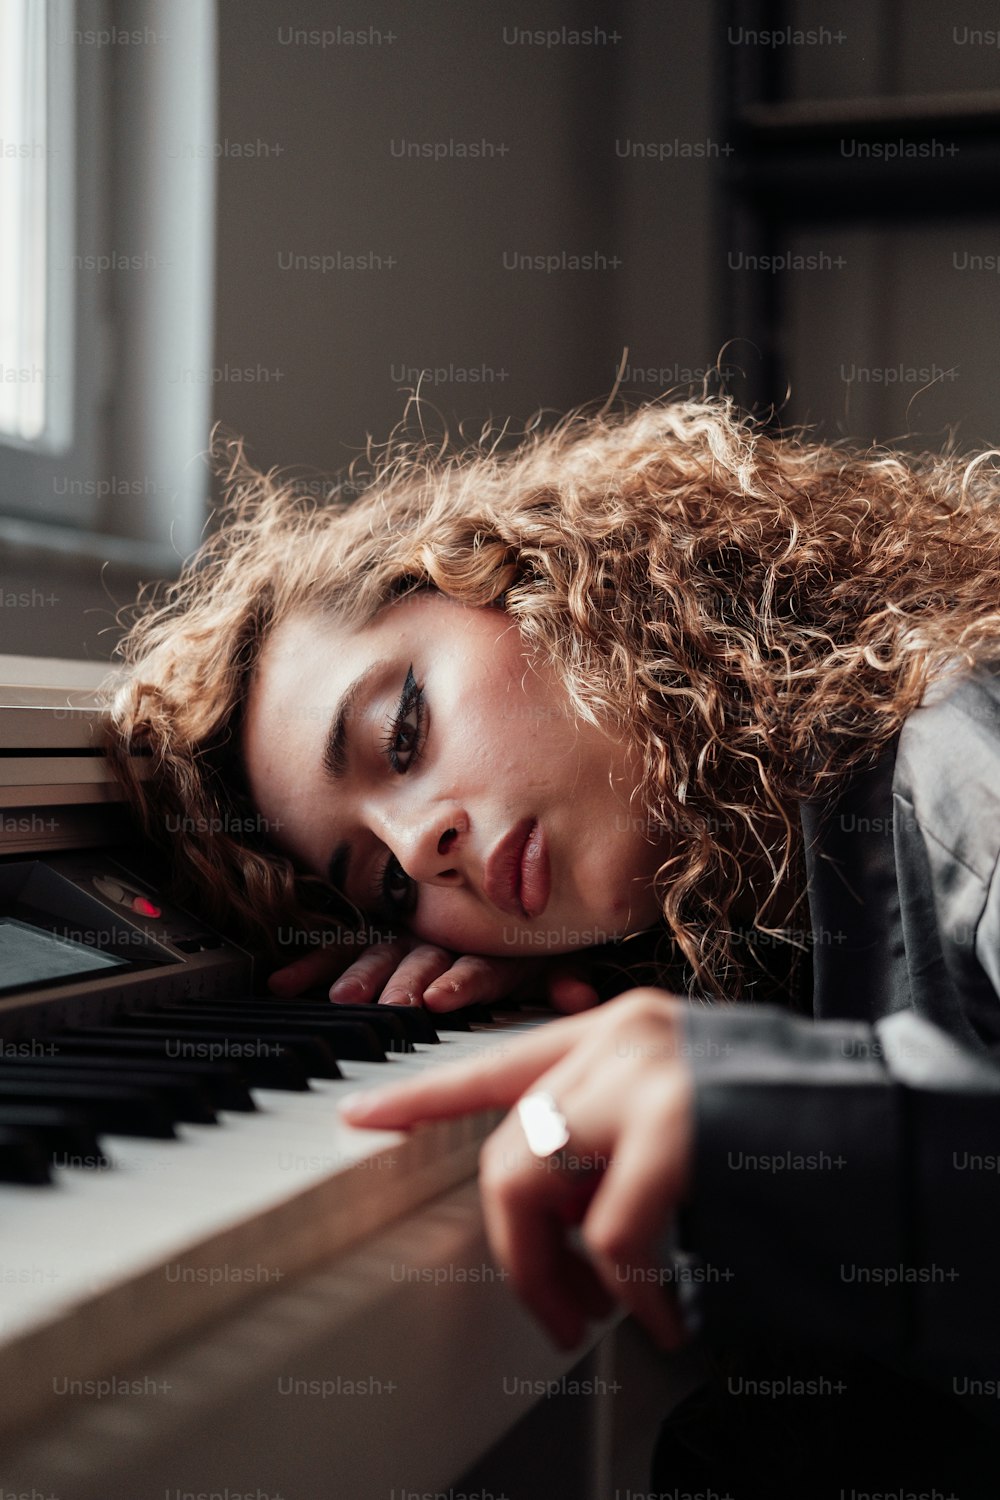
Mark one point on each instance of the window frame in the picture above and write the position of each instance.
(117, 473)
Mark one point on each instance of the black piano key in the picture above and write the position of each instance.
(65, 1132)
(225, 1085)
(275, 1067)
(390, 1029)
(320, 1046)
(401, 1023)
(325, 1020)
(183, 1098)
(417, 1023)
(416, 1016)
(471, 1015)
(464, 1019)
(317, 1057)
(452, 1020)
(23, 1158)
(115, 1108)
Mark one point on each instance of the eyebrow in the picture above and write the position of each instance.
(335, 755)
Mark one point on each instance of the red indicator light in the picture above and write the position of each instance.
(145, 908)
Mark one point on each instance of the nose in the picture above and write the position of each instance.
(429, 844)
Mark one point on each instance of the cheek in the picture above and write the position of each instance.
(497, 733)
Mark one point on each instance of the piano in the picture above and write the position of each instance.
(209, 1286)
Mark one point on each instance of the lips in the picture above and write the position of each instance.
(535, 874)
(516, 877)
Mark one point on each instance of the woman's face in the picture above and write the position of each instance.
(443, 784)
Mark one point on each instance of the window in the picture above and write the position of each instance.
(35, 188)
(107, 254)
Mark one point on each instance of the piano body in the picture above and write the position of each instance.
(222, 1290)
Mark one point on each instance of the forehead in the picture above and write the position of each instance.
(299, 669)
(303, 668)
(309, 658)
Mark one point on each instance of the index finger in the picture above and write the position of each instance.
(486, 1083)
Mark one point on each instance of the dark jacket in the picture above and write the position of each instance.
(847, 1168)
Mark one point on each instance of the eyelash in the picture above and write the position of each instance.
(412, 698)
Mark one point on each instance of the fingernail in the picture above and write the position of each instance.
(436, 990)
(359, 1105)
(353, 1104)
(399, 1000)
(347, 989)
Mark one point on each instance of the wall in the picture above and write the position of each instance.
(309, 361)
(333, 351)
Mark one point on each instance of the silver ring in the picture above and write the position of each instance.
(543, 1123)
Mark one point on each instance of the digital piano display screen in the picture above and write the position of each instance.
(30, 955)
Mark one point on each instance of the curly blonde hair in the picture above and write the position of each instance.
(758, 612)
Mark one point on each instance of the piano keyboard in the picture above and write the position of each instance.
(196, 1159)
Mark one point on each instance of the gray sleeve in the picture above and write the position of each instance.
(844, 1187)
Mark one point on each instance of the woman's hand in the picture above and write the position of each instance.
(409, 972)
(619, 1079)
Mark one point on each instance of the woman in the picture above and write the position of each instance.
(640, 673)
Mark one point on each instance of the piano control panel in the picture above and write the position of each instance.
(84, 935)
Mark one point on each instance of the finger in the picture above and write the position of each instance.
(365, 978)
(303, 973)
(527, 1234)
(569, 993)
(493, 1082)
(626, 1220)
(418, 969)
(475, 980)
(587, 1287)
